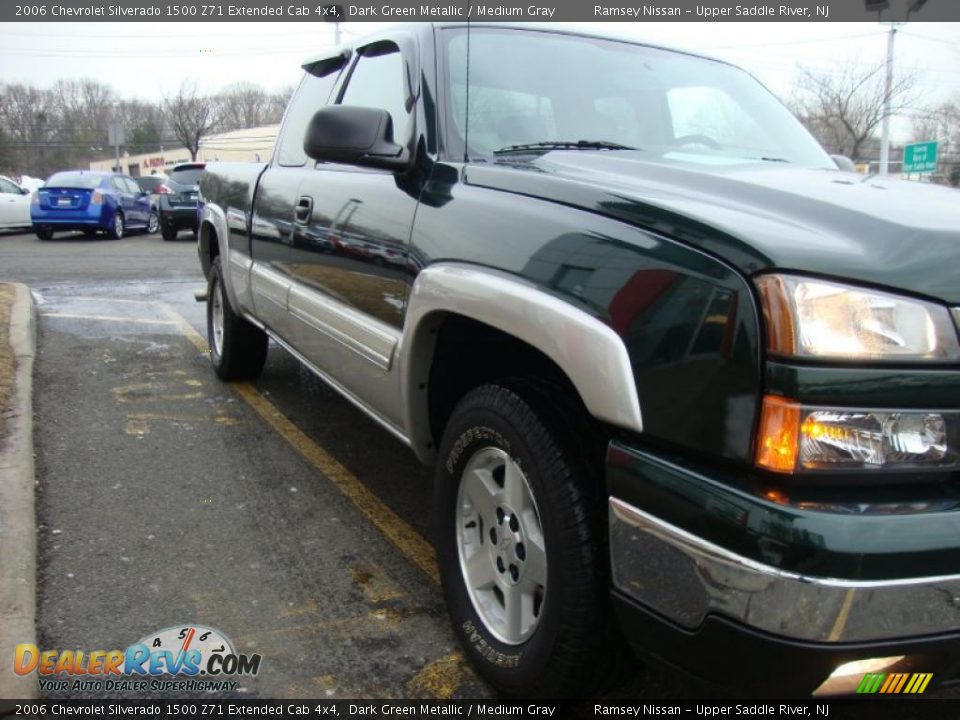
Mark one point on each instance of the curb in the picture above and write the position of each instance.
(18, 532)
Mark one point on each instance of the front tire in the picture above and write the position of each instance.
(521, 546)
(238, 349)
(118, 227)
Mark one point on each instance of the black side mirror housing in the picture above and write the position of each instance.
(25, 191)
(354, 136)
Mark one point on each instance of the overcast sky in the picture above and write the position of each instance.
(145, 60)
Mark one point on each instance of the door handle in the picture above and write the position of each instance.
(304, 209)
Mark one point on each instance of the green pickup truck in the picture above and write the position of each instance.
(683, 380)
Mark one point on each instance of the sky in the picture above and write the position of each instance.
(148, 60)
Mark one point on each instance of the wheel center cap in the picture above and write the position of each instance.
(507, 550)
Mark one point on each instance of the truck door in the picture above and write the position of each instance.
(350, 241)
(275, 212)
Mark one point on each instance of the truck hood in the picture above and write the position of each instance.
(761, 215)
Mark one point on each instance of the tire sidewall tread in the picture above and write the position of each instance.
(561, 655)
(244, 344)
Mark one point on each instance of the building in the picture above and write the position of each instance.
(249, 145)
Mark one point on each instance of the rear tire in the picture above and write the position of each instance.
(44, 233)
(169, 233)
(153, 223)
(490, 550)
(238, 349)
(118, 227)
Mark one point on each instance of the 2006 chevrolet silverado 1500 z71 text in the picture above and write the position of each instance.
(683, 380)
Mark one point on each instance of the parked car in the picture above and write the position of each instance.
(178, 207)
(89, 201)
(156, 186)
(14, 205)
(30, 183)
(682, 380)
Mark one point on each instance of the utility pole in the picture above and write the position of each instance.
(115, 137)
(881, 5)
(888, 88)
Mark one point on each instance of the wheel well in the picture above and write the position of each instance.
(209, 246)
(469, 353)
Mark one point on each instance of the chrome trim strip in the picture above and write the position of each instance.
(372, 340)
(357, 402)
(591, 353)
(685, 578)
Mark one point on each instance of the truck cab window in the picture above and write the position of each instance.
(377, 81)
(310, 97)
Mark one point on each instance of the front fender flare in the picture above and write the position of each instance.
(590, 353)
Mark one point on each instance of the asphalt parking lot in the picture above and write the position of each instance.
(270, 512)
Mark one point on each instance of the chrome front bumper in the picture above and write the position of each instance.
(684, 579)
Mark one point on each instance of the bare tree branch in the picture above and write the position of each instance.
(845, 109)
(191, 115)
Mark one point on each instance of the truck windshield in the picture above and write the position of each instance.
(529, 87)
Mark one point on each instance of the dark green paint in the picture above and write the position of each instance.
(859, 387)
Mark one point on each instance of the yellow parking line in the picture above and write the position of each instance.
(440, 679)
(109, 318)
(395, 529)
(186, 329)
(840, 625)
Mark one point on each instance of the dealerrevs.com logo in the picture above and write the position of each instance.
(187, 657)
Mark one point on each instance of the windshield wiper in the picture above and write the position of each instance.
(563, 145)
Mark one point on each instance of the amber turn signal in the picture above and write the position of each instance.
(778, 437)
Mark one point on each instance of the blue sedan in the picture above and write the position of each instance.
(91, 202)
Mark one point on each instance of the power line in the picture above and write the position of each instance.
(806, 41)
(910, 33)
(192, 53)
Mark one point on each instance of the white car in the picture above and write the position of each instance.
(14, 204)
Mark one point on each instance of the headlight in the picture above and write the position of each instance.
(812, 318)
(794, 438)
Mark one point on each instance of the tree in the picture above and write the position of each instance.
(6, 154)
(941, 123)
(191, 115)
(243, 105)
(845, 109)
(28, 116)
(143, 123)
(279, 101)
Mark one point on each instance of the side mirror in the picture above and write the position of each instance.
(25, 191)
(354, 136)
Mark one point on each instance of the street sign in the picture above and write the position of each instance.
(115, 134)
(920, 158)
